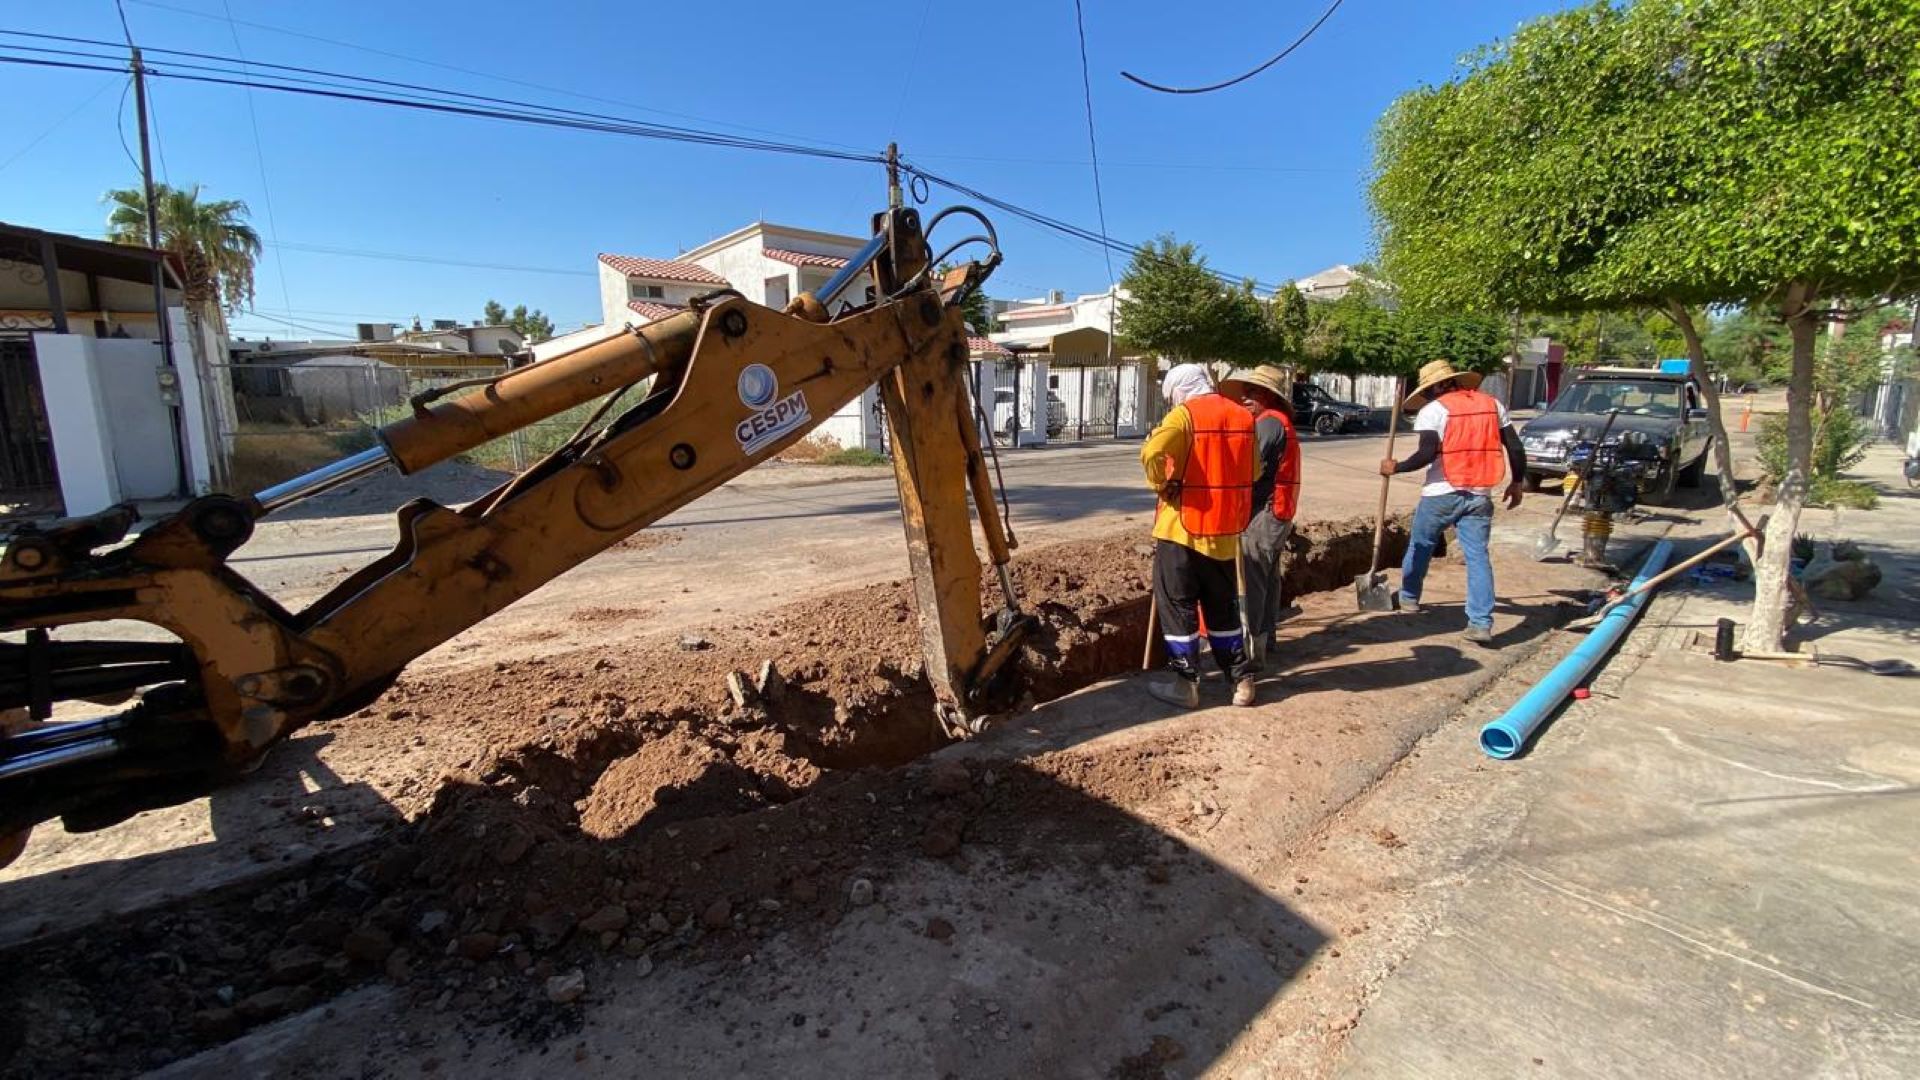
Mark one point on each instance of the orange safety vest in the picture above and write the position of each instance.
(1216, 486)
(1470, 452)
(1286, 484)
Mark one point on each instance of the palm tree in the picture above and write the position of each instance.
(215, 244)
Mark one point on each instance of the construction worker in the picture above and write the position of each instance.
(1465, 446)
(1200, 461)
(1276, 496)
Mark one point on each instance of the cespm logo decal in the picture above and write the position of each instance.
(757, 386)
(770, 419)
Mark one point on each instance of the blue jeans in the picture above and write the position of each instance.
(1471, 518)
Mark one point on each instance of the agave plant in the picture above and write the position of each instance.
(215, 244)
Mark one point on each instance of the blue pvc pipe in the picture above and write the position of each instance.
(1504, 737)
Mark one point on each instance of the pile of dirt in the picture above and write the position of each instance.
(625, 802)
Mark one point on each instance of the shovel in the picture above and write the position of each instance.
(1544, 547)
(1588, 622)
(1370, 590)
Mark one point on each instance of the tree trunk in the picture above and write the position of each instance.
(1768, 624)
(1722, 451)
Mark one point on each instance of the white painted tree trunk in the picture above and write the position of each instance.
(1767, 626)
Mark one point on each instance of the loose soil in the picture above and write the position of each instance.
(623, 801)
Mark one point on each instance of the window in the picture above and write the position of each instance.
(646, 292)
(1053, 381)
(1631, 397)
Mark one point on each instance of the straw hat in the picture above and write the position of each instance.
(1432, 374)
(1265, 377)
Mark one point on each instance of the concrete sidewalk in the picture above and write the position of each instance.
(1708, 870)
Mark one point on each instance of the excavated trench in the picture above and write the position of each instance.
(851, 693)
(625, 801)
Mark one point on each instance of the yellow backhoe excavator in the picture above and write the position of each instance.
(684, 404)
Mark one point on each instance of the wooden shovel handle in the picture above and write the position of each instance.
(1386, 483)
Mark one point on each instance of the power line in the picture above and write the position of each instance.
(394, 256)
(124, 28)
(492, 76)
(1075, 231)
(1080, 163)
(60, 123)
(120, 124)
(1237, 79)
(1093, 144)
(538, 115)
(152, 115)
(411, 96)
(260, 158)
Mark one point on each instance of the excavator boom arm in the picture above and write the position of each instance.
(727, 384)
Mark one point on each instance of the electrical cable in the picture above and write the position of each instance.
(493, 76)
(58, 124)
(549, 117)
(1099, 200)
(1237, 79)
(1093, 144)
(546, 117)
(260, 159)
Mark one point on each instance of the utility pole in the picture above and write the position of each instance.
(171, 371)
(146, 153)
(894, 199)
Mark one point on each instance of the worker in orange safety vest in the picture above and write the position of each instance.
(1200, 461)
(1276, 497)
(1467, 447)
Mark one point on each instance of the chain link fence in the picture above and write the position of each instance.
(296, 416)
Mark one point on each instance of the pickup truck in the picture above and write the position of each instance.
(1317, 411)
(1664, 406)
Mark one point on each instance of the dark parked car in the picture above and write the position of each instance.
(1664, 408)
(1316, 410)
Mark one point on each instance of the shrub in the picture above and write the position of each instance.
(1839, 443)
(1850, 494)
(854, 455)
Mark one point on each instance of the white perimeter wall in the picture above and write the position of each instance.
(113, 435)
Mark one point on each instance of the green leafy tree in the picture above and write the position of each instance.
(1358, 335)
(1747, 346)
(533, 325)
(216, 246)
(1176, 307)
(975, 309)
(1290, 322)
(1670, 154)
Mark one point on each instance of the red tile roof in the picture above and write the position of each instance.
(663, 269)
(804, 258)
(979, 346)
(653, 310)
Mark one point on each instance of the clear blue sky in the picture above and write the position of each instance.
(1266, 177)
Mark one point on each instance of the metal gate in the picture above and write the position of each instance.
(1003, 407)
(1099, 410)
(29, 486)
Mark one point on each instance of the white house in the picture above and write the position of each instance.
(478, 339)
(768, 264)
(1067, 346)
(99, 405)
(1335, 282)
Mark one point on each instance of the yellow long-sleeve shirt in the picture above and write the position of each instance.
(1164, 456)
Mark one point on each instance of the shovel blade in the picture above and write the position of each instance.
(1545, 547)
(1371, 593)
